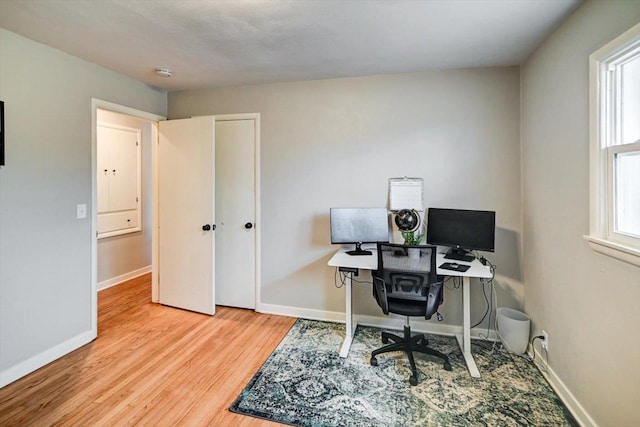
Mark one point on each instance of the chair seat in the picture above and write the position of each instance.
(407, 308)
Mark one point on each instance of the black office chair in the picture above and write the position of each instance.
(407, 285)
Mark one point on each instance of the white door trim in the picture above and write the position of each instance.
(106, 105)
(258, 223)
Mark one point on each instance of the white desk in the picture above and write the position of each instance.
(370, 262)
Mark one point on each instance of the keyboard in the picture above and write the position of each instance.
(455, 267)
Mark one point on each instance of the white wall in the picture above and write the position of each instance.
(45, 275)
(335, 143)
(123, 255)
(587, 302)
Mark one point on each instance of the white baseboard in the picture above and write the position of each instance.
(123, 278)
(422, 326)
(387, 322)
(305, 313)
(576, 409)
(39, 360)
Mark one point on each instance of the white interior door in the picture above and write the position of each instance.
(235, 213)
(186, 196)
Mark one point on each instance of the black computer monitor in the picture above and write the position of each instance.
(358, 226)
(462, 230)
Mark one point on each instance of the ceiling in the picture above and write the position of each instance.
(214, 43)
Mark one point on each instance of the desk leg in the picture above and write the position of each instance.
(350, 324)
(464, 340)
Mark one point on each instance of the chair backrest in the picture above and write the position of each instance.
(409, 274)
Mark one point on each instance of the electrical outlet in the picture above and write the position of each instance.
(545, 340)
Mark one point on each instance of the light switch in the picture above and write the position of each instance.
(81, 211)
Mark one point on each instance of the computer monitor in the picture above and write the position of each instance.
(462, 230)
(358, 226)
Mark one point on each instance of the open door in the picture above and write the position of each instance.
(186, 194)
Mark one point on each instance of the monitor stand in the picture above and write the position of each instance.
(359, 251)
(459, 254)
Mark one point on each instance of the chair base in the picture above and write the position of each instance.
(409, 344)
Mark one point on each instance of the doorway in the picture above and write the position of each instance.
(120, 255)
(123, 197)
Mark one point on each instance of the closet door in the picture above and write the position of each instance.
(235, 211)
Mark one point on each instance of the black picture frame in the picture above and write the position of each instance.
(1, 133)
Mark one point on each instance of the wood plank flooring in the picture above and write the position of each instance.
(150, 365)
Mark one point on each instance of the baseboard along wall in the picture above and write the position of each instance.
(39, 360)
(123, 278)
(387, 322)
(18, 371)
(576, 409)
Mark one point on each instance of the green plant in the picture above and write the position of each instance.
(411, 238)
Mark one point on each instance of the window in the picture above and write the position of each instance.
(615, 148)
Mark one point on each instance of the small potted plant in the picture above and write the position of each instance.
(411, 238)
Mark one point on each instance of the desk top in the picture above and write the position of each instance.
(365, 262)
(370, 262)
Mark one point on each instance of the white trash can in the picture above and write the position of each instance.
(513, 329)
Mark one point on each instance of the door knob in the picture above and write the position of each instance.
(206, 227)
(248, 225)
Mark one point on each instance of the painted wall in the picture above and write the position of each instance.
(127, 253)
(335, 143)
(587, 302)
(45, 256)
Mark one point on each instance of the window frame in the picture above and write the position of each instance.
(612, 151)
(604, 128)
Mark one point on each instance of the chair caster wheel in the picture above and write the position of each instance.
(373, 361)
(413, 380)
(385, 340)
(447, 366)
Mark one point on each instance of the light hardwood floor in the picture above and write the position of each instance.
(150, 365)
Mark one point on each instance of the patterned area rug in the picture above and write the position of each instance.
(305, 383)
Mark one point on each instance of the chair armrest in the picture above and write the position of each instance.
(380, 292)
(433, 299)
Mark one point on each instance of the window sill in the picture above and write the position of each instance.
(615, 250)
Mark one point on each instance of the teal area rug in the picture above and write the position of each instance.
(305, 383)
